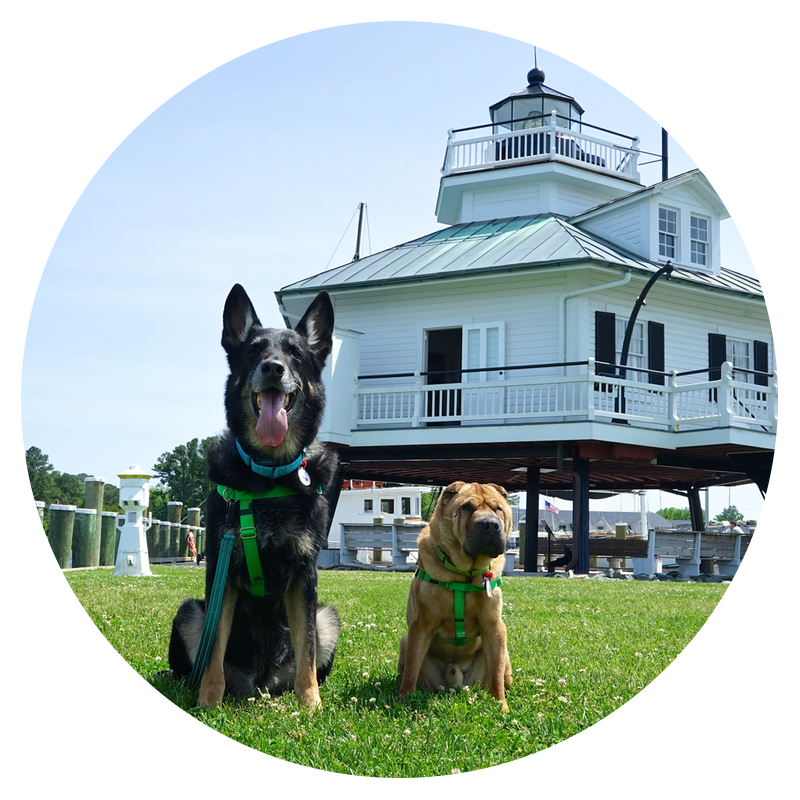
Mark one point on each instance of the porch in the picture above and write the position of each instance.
(570, 392)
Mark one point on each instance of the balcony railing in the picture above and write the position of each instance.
(739, 398)
(469, 150)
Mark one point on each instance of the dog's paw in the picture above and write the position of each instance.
(310, 698)
(211, 693)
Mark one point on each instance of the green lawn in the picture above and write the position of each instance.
(579, 650)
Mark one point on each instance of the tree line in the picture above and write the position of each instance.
(180, 474)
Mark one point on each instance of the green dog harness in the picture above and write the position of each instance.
(459, 590)
(257, 587)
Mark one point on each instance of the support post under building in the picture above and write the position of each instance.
(532, 520)
(580, 514)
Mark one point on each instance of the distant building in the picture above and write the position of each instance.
(604, 521)
(367, 501)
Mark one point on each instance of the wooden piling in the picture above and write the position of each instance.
(93, 495)
(85, 538)
(163, 539)
(108, 537)
(152, 534)
(174, 508)
(62, 521)
(193, 518)
(184, 542)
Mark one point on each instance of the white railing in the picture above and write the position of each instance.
(548, 143)
(585, 395)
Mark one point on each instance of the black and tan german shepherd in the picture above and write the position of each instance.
(274, 401)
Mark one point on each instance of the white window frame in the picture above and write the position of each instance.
(700, 246)
(740, 353)
(637, 349)
(387, 505)
(668, 229)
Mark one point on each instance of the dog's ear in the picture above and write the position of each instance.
(453, 489)
(317, 327)
(498, 489)
(238, 318)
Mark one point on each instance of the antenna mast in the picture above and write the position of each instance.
(357, 255)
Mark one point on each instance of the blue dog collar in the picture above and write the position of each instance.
(267, 468)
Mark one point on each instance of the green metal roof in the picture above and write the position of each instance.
(492, 246)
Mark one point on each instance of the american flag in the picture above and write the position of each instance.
(548, 506)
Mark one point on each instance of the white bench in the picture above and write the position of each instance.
(690, 548)
(726, 549)
(399, 538)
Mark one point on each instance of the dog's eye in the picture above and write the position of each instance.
(467, 507)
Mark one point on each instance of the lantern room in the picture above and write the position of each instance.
(533, 106)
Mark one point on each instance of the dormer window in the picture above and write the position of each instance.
(699, 240)
(667, 232)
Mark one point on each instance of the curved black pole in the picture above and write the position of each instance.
(626, 342)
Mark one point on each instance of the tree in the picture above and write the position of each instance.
(674, 513)
(70, 488)
(183, 474)
(729, 514)
(110, 497)
(50, 485)
(41, 475)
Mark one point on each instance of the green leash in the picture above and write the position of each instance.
(459, 590)
(213, 606)
(247, 532)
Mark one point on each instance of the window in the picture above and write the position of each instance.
(699, 240)
(368, 506)
(636, 350)
(387, 506)
(405, 506)
(667, 232)
(645, 351)
(738, 353)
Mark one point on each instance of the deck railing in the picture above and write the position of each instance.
(486, 397)
(469, 149)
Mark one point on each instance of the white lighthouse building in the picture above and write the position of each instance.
(572, 331)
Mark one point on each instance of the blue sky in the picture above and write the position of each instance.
(252, 174)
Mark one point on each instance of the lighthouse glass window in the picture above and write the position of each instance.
(667, 232)
(699, 236)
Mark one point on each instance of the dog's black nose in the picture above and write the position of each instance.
(490, 526)
(272, 369)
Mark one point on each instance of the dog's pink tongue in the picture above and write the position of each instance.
(273, 421)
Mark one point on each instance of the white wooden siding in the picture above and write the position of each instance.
(392, 321)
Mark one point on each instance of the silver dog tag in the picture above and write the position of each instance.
(487, 584)
(304, 477)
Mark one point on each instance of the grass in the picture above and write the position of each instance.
(579, 650)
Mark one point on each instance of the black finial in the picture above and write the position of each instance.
(535, 76)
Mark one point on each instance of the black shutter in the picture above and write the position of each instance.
(605, 342)
(717, 355)
(761, 362)
(655, 351)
